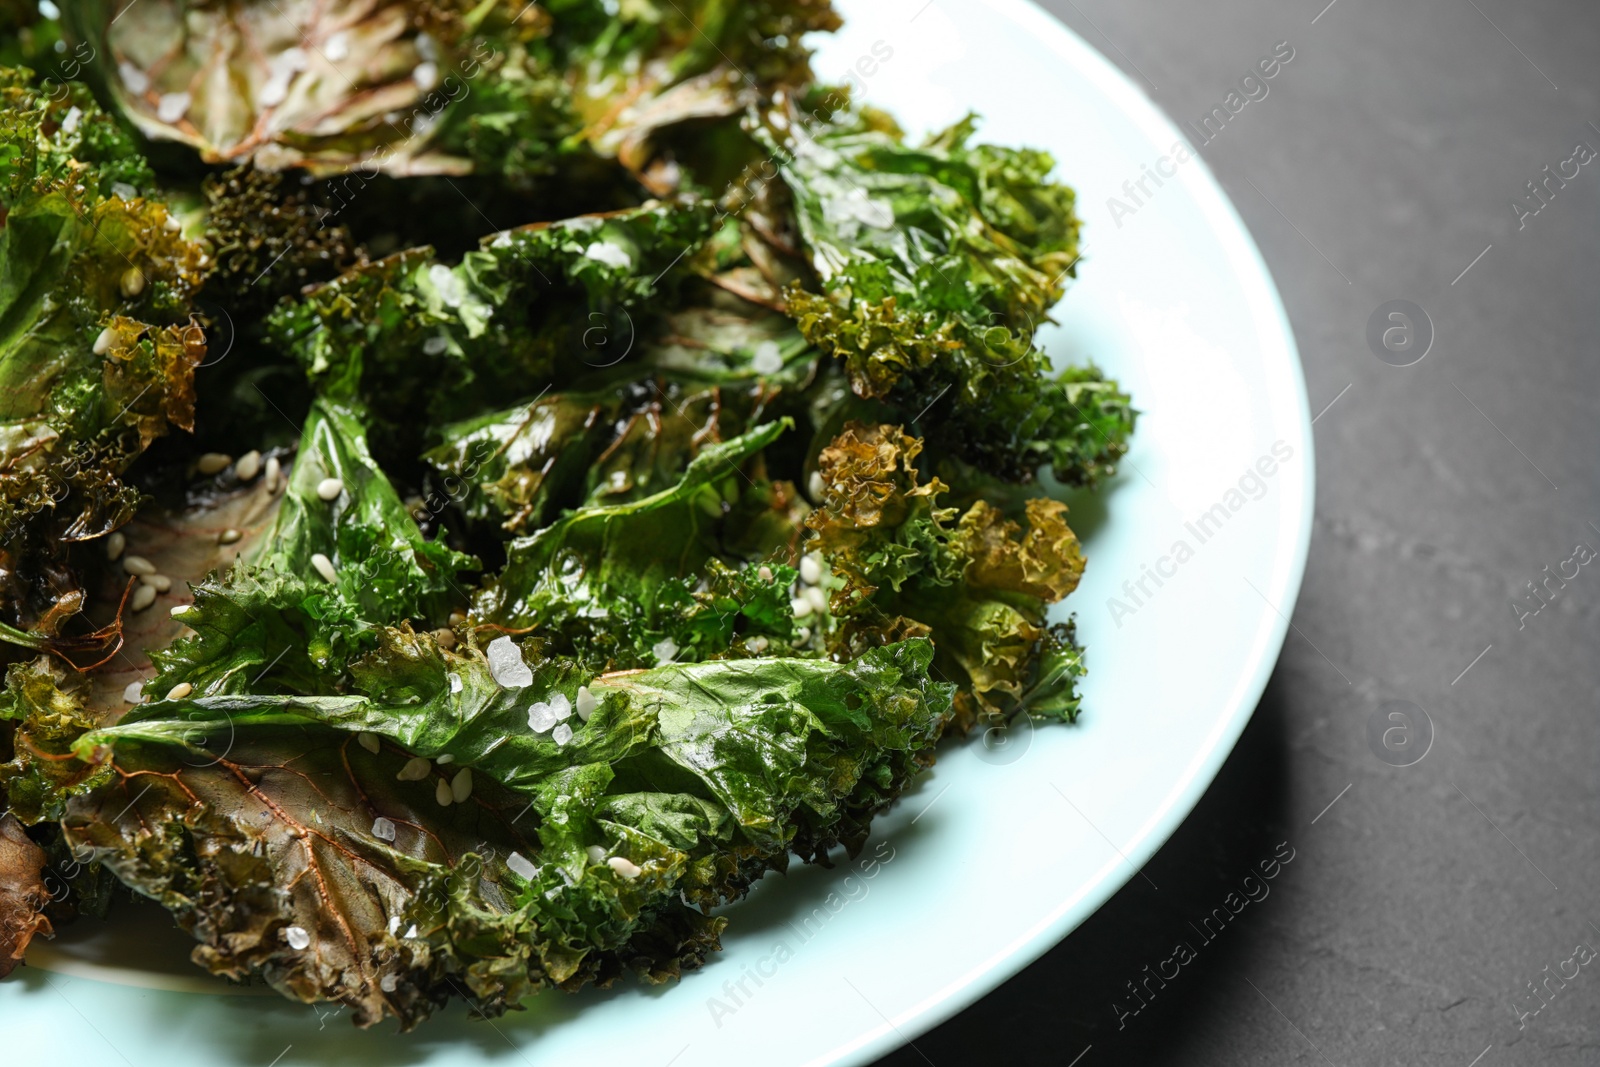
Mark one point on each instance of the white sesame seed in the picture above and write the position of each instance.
(801, 606)
(802, 636)
(596, 854)
(337, 46)
(757, 645)
(457, 618)
(369, 742)
(173, 224)
(159, 582)
(442, 793)
(445, 637)
(248, 467)
(388, 983)
(132, 282)
(142, 598)
(133, 692)
(416, 769)
(810, 569)
(213, 463)
(426, 75)
(297, 937)
(624, 867)
(330, 488)
(179, 609)
(115, 544)
(817, 486)
(765, 574)
(383, 829)
(274, 469)
(518, 864)
(102, 344)
(324, 566)
(229, 536)
(586, 703)
(818, 597)
(138, 565)
(179, 691)
(461, 785)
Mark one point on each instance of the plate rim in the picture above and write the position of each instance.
(1271, 321)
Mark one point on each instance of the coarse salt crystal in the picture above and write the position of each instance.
(519, 864)
(133, 693)
(135, 79)
(297, 937)
(561, 734)
(609, 254)
(665, 649)
(561, 706)
(506, 665)
(768, 358)
(172, 107)
(336, 47)
(383, 829)
(541, 717)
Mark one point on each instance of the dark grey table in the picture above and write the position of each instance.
(1442, 912)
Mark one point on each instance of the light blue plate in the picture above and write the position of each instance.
(1003, 848)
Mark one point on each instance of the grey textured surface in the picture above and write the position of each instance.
(1420, 904)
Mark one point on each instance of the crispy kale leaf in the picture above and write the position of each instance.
(612, 445)
(95, 359)
(275, 623)
(23, 895)
(978, 584)
(421, 344)
(628, 585)
(501, 86)
(291, 837)
(933, 267)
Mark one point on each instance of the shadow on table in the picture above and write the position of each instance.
(1078, 994)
